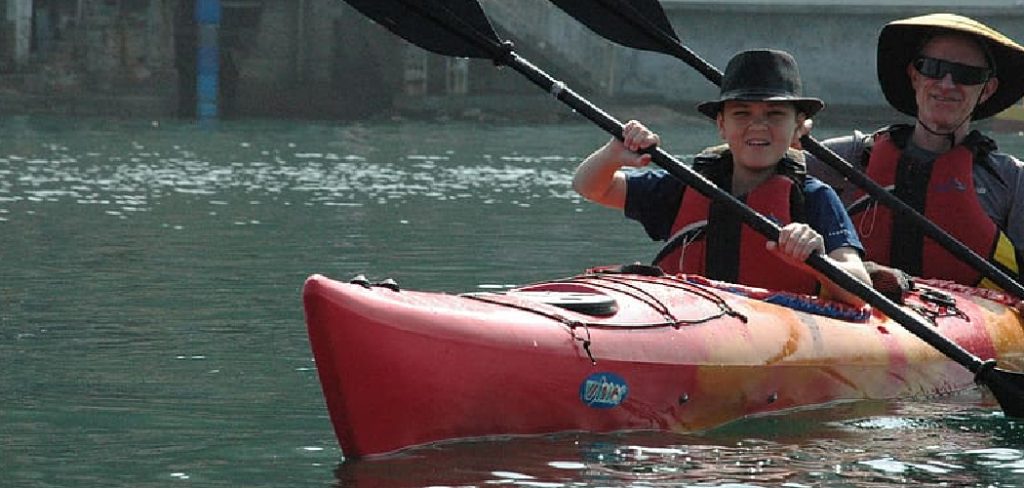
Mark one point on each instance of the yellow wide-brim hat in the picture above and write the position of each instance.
(900, 40)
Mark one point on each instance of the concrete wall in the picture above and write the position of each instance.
(123, 49)
(834, 42)
(311, 58)
(835, 49)
(17, 31)
(88, 57)
(136, 57)
(322, 59)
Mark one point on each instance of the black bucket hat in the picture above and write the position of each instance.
(762, 75)
(899, 44)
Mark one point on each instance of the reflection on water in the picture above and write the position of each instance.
(858, 444)
(151, 331)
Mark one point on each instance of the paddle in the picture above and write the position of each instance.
(642, 24)
(460, 28)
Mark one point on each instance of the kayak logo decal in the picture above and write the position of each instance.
(603, 390)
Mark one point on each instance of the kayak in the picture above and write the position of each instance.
(616, 349)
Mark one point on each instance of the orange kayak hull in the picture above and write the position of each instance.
(402, 368)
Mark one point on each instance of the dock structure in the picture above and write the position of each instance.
(322, 59)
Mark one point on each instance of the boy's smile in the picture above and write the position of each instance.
(758, 134)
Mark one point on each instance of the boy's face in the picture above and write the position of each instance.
(758, 133)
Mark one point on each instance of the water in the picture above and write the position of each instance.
(151, 329)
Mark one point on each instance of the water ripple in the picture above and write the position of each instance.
(133, 178)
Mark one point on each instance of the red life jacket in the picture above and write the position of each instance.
(943, 192)
(720, 247)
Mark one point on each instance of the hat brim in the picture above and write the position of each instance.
(807, 105)
(897, 47)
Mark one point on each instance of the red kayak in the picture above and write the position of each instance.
(612, 351)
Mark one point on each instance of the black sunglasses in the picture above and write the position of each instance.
(963, 74)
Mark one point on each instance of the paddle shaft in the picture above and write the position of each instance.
(1008, 387)
(676, 49)
(758, 222)
(504, 54)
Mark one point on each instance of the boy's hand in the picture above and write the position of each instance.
(637, 137)
(796, 242)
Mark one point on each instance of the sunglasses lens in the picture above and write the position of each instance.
(962, 74)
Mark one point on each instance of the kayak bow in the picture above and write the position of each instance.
(606, 352)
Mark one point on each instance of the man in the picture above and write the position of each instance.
(944, 70)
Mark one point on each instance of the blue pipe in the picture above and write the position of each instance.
(208, 14)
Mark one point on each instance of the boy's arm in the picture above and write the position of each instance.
(598, 177)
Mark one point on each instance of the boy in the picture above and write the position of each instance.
(760, 114)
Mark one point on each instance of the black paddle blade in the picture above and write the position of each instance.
(632, 23)
(1008, 388)
(450, 27)
(640, 24)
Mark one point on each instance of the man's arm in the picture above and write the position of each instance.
(851, 149)
(1015, 198)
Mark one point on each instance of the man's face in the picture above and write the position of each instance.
(943, 103)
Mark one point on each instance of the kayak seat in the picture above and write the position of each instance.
(588, 303)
